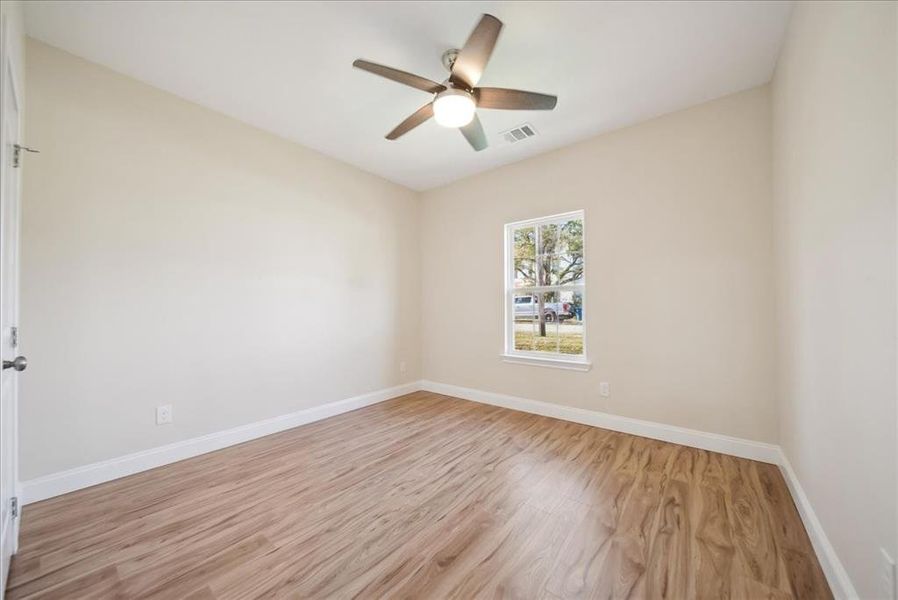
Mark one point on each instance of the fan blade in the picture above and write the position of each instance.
(513, 99)
(472, 59)
(414, 81)
(473, 132)
(418, 117)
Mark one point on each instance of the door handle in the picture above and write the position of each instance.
(18, 363)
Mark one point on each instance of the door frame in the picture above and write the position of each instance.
(9, 77)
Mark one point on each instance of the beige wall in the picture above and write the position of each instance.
(173, 255)
(678, 265)
(834, 109)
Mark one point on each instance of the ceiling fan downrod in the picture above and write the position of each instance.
(448, 58)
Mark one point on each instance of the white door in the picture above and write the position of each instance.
(9, 313)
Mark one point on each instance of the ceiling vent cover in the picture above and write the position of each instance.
(519, 133)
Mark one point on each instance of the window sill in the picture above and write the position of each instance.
(552, 363)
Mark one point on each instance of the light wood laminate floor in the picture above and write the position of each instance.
(427, 496)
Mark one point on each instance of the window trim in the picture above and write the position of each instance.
(535, 357)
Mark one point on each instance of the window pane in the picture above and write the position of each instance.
(525, 257)
(548, 238)
(548, 241)
(570, 253)
(532, 333)
(570, 237)
(524, 322)
(570, 327)
(564, 268)
(561, 253)
(525, 242)
(524, 272)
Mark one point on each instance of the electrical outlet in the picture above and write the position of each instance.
(163, 414)
(604, 389)
(402, 366)
(889, 576)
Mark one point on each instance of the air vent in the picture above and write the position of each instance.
(519, 133)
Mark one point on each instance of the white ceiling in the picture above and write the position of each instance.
(286, 66)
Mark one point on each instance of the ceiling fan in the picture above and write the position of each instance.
(456, 100)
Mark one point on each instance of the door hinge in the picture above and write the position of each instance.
(13, 337)
(14, 506)
(17, 152)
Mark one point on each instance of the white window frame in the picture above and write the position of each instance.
(537, 358)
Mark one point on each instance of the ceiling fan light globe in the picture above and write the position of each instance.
(454, 108)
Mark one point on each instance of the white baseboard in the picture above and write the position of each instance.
(78, 478)
(56, 484)
(760, 451)
(835, 572)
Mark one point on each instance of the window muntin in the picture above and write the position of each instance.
(546, 288)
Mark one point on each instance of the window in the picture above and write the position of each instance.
(545, 291)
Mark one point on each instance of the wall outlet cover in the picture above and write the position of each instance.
(605, 389)
(163, 414)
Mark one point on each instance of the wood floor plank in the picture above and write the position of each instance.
(800, 566)
(427, 496)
